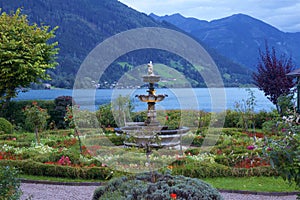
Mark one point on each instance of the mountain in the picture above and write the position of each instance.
(85, 23)
(239, 37)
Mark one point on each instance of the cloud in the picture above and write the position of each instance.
(283, 14)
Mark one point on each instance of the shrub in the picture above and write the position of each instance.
(261, 117)
(5, 126)
(58, 114)
(231, 119)
(14, 111)
(9, 183)
(105, 116)
(156, 186)
(80, 118)
(284, 153)
(139, 116)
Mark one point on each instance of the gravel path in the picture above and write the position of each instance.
(63, 192)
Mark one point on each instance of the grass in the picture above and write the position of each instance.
(257, 184)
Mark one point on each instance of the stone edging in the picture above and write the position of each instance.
(62, 183)
(101, 183)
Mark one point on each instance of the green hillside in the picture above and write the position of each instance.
(85, 23)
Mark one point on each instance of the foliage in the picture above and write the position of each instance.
(14, 111)
(284, 153)
(105, 116)
(74, 123)
(271, 75)
(5, 126)
(60, 110)
(36, 117)
(25, 53)
(143, 187)
(272, 125)
(286, 103)
(122, 108)
(246, 111)
(9, 183)
(262, 116)
(80, 119)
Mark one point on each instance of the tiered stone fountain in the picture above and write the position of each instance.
(151, 132)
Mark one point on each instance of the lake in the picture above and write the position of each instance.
(214, 99)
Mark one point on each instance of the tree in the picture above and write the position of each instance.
(271, 75)
(36, 118)
(25, 53)
(121, 108)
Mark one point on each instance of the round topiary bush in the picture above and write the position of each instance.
(156, 186)
(5, 126)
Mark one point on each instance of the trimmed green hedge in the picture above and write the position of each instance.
(210, 170)
(39, 169)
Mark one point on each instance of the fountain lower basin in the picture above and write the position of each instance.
(143, 134)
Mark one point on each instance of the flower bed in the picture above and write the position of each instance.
(235, 154)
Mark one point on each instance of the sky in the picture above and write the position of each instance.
(282, 14)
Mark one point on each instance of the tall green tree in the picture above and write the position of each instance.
(26, 52)
(271, 75)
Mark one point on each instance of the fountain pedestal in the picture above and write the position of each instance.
(151, 99)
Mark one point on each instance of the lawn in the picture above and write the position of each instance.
(257, 184)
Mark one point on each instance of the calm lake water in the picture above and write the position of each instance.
(215, 99)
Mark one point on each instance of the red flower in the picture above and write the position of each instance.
(71, 116)
(173, 196)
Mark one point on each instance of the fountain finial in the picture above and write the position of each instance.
(150, 68)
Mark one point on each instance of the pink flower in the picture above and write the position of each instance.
(14, 138)
(64, 160)
(250, 147)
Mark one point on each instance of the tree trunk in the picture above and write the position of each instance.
(278, 109)
(79, 140)
(37, 135)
